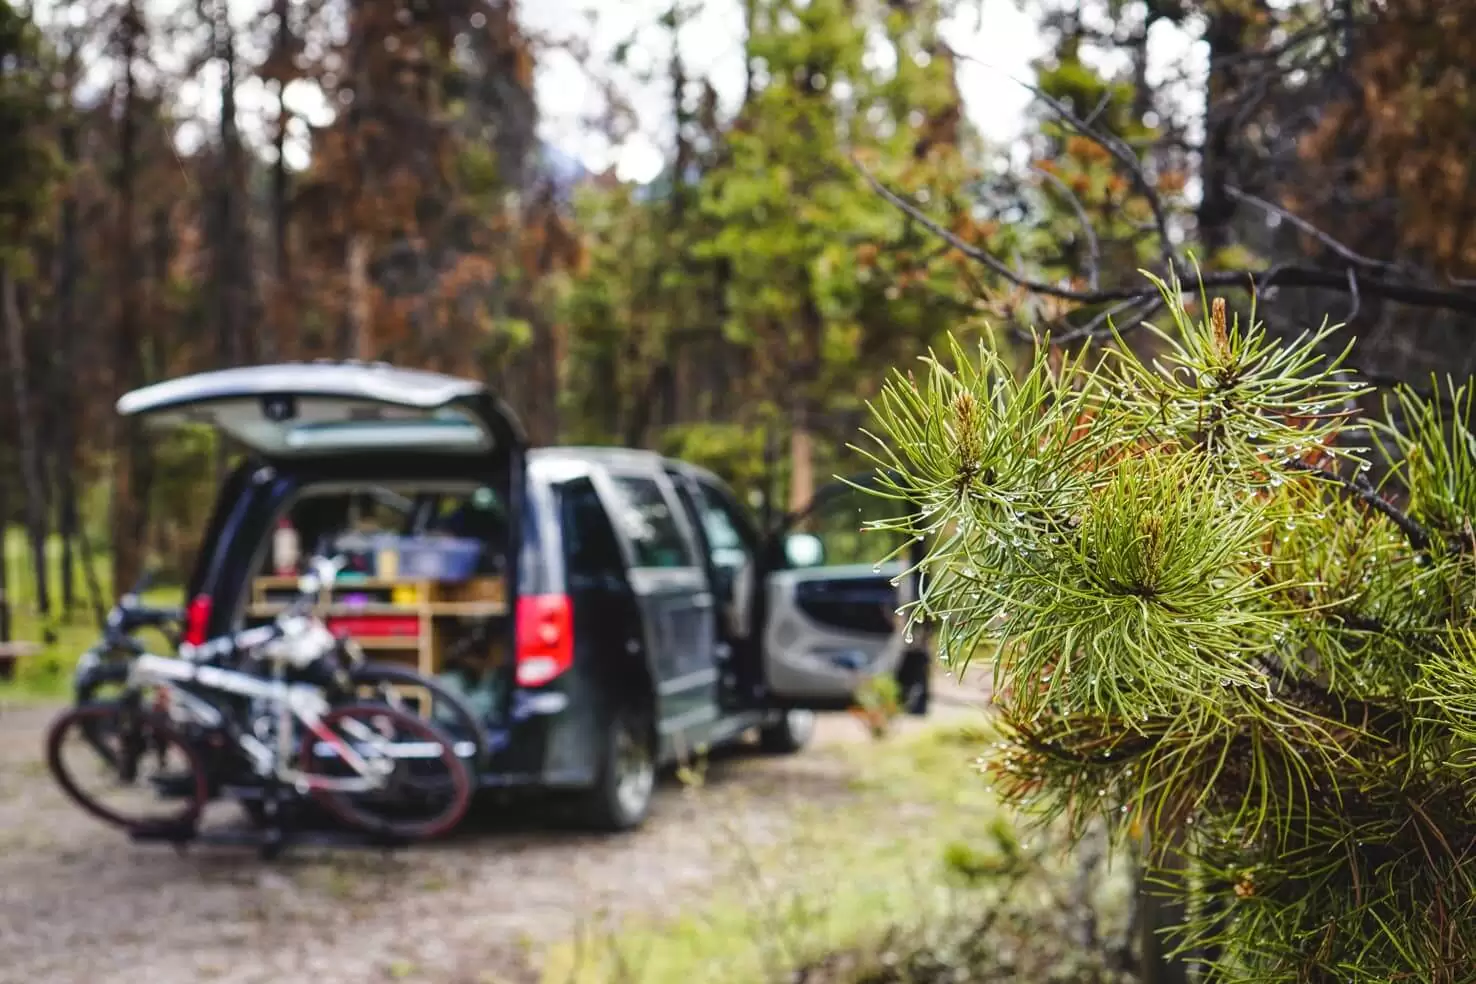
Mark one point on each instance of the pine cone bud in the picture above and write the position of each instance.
(1217, 326)
(966, 428)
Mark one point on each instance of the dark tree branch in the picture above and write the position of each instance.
(1094, 268)
(1097, 109)
(1355, 258)
(1104, 323)
(1318, 30)
(1277, 275)
(1358, 276)
(1361, 489)
(1125, 155)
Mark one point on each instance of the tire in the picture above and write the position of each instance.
(625, 784)
(450, 712)
(790, 733)
(144, 733)
(449, 798)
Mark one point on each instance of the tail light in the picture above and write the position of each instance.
(545, 638)
(197, 619)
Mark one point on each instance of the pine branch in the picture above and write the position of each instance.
(1361, 489)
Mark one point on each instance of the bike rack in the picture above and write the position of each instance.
(271, 838)
(269, 845)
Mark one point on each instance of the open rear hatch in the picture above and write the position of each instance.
(308, 409)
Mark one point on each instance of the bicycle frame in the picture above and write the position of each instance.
(294, 703)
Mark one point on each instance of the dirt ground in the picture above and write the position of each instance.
(80, 903)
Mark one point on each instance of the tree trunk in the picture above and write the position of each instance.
(801, 458)
(30, 470)
(64, 391)
(357, 263)
(1155, 912)
(226, 250)
(1225, 36)
(89, 578)
(130, 470)
(804, 373)
(67, 522)
(5, 608)
(280, 188)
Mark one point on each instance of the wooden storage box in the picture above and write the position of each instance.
(403, 620)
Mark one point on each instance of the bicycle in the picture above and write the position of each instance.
(106, 665)
(252, 726)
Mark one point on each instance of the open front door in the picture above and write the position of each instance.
(830, 612)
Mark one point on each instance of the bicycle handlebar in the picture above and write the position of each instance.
(128, 616)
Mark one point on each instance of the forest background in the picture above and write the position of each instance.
(191, 184)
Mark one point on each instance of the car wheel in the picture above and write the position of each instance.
(789, 733)
(626, 784)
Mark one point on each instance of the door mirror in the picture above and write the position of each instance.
(804, 550)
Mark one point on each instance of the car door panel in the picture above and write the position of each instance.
(732, 545)
(829, 631)
(831, 628)
(850, 600)
(672, 591)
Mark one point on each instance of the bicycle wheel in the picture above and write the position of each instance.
(426, 789)
(146, 759)
(386, 683)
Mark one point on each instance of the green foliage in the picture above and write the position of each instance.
(730, 450)
(1206, 623)
(29, 164)
(764, 275)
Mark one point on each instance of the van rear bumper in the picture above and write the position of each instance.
(549, 743)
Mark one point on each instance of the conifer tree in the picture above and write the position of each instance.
(1208, 622)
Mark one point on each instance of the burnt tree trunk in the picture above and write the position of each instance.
(281, 215)
(130, 465)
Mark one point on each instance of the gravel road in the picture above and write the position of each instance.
(79, 903)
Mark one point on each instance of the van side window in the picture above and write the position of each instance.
(646, 518)
(730, 548)
(590, 548)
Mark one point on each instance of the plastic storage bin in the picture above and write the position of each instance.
(439, 558)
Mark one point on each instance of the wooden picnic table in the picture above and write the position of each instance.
(12, 653)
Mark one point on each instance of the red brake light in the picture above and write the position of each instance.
(197, 619)
(545, 632)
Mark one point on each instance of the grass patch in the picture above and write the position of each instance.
(923, 857)
(46, 675)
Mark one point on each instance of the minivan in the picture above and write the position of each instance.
(606, 611)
